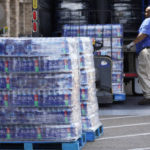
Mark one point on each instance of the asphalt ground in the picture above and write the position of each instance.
(126, 126)
(123, 133)
(128, 107)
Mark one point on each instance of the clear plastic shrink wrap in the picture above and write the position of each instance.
(38, 98)
(91, 123)
(111, 36)
(39, 89)
(39, 132)
(87, 93)
(31, 116)
(89, 104)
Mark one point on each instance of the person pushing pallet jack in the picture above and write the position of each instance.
(142, 44)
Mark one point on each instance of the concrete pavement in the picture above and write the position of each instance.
(123, 133)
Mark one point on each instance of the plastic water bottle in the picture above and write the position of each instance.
(80, 46)
(28, 46)
(2, 65)
(3, 133)
(1, 99)
(15, 65)
(2, 47)
(2, 82)
(15, 98)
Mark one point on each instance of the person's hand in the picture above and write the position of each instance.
(129, 46)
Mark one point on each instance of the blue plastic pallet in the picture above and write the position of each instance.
(92, 135)
(74, 145)
(119, 97)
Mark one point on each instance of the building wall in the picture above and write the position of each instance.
(18, 15)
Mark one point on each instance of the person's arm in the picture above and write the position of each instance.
(139, 38)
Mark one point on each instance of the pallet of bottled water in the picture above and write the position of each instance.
(111, 37)
(39, 89)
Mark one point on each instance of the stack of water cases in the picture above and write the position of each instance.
(39, 89)
(71, 12)
(128, 13)
(89, 104)
(111, 37)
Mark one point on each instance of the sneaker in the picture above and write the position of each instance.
(144, 102)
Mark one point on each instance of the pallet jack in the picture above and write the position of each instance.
(103, 66)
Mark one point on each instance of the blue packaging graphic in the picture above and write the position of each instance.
(117, 65)
(1, 99)
(5, 65)
(5, 99)
(29, 98)
(118, 88)
(25, 65)
(83, 77)
(2, 65)
(35, 64)
(99, 31)
(56, 99)
(80, 46)
(56, 65)
(2, 47)
(26, 133)
(107, 31)
(91, 31)
(117, 42)
(22, 98)
(16, 47)
(33, 47)
(117, 30)
(51, 116)
(107, 42)
(88, 108)
(91, 122)
(82, 61)
(39, 133)
(36, 81)
(9, 47)
(2, 82)
(83, 94)
(60, 133)
(3, 133)
(75, 30)
(83, 30)
(117, 77)
(117, 53)
(96, 31)
(87, 77)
